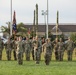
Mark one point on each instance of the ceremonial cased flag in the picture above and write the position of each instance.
(14, 26)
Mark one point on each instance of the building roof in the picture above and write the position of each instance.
(62, 27)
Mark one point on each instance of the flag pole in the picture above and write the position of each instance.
(47, 22)
(11, 21)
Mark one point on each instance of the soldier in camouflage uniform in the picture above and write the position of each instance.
(27, 47)
(8, 47)
(56, 46)
(14, 49)
(48, 51)
(37, 48)
(33, 41)
(61, 50)
(70, 48)
(19, 51)
(40, 47)
(1, 48)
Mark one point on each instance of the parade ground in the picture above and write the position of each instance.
(30, 68)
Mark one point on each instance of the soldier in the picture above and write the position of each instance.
(8, 47)
(37, 48)
(14, 49)
(70, 48)
(1, 48)
(33, 41)
(40, 47)
(19, 51)
(56, 46)
(27, 45)
(48, 51)
(61, 50)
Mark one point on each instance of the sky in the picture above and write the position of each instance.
(24, 10)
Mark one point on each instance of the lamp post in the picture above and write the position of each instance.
(47, 22)
(11, 21)
(44, 13)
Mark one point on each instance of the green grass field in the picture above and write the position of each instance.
(30, 68)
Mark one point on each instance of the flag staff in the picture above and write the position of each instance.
(47, 22)
(11, 21)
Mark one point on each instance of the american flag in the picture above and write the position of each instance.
(14, 26)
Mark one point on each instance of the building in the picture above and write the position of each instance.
(66, 28)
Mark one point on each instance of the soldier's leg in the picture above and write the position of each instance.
(71, 55)
(47, 59)
(14, 54)
(7, 53)
(0, 54)
(33, 54)
(28, 56)
(37, 57)
(62, 56)
(56, 55)
(68, 53)
(18, 58)
(59, 55)
(21, 58)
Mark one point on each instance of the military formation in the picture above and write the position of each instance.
(24, 47)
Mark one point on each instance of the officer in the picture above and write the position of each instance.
(37, 47)
(61, 49)
(8, 48)
(47, 51)
(27, 46)
(14, 48)
(33, 41)
(56, 46)
(1, 48)
(19, 51)
(70, 48)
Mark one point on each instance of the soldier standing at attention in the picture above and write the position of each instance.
(56, 46)
(33, 41)
(61, 49)
(1, 48)
(36, 50)
(20, 51)
(14, 49)
(8, 48)
(27, 48)
(47, 51)
(70, 48)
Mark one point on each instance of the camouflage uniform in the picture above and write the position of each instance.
(1, 48)
(40, 48)
(61, 51)
(27, 49)
(8, 49)
(37, 47)
(14, 49)
(33, 48)
(20, 52)
(56, 46)
(48, 51)
(70, 48)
